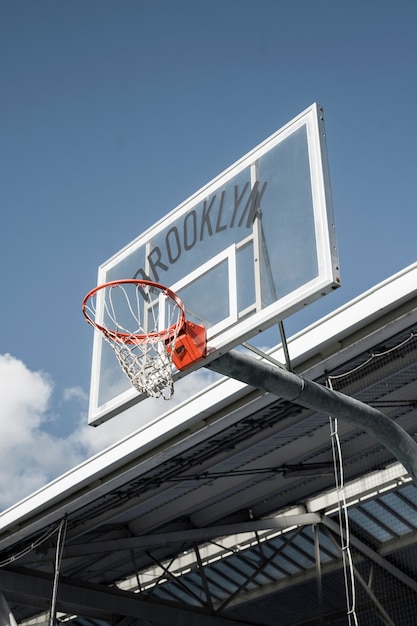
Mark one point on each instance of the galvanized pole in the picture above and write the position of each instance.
(309, 394)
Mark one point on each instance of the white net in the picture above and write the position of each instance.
(141, 322)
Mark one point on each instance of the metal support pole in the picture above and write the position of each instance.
(203, 576)
(58, 557)
(285, 345)
(382, 612)
(318, 573)
(311, 395)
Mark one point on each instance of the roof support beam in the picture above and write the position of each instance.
(88, 599)
(384, 615)
(372, 555)
(191, 535)
(263, 565)
(311, 395)
(6, 616)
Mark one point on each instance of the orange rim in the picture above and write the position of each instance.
(165, 334)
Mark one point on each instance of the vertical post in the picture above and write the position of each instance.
(318, 573)
(203, 577)
(284, 345)
(57, 567)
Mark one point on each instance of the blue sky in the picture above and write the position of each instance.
(114, 112)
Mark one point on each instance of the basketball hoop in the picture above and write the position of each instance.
(145, 325)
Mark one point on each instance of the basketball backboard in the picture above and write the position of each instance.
(250, 248)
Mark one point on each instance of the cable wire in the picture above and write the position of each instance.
(348, 570)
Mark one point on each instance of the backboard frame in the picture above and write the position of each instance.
(191, 225)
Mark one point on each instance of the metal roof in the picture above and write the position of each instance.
(228, 510)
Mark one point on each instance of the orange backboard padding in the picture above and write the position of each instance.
(190, 346)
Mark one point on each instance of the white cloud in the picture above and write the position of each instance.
(24, 398)
(75, 393)
(30, 456)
